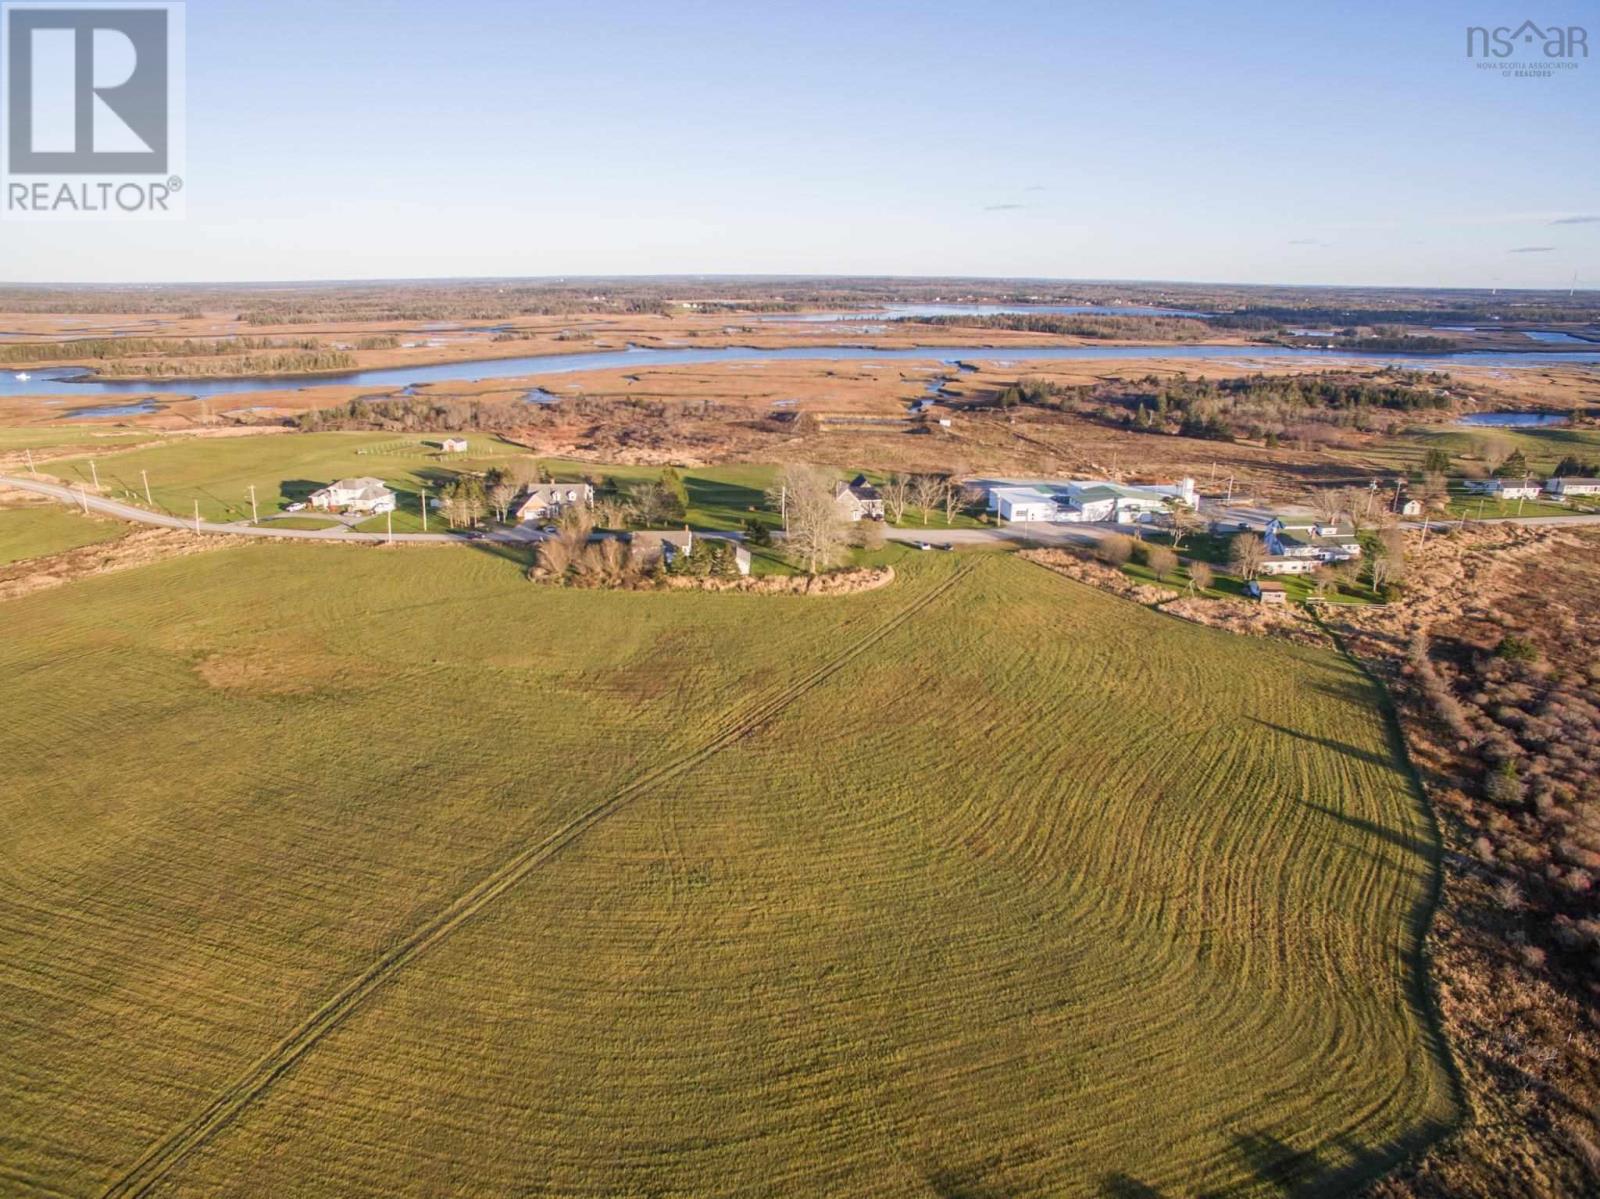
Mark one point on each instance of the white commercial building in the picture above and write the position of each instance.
(1566, 487)
(1089, 501)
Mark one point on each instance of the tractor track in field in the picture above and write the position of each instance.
(162, 1157)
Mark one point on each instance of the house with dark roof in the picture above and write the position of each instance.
(859, 499)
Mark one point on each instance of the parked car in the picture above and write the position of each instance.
(945, 545)
(550, 529)
(295, 508)
(923, 545)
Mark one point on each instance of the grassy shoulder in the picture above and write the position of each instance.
(39, 530)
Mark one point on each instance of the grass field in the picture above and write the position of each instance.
(218, 473)
(343, 871)
(37, 530)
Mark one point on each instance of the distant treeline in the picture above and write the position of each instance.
(1288, 314)
(1394, 341)
(1252, 406)
(1145, 328)
(111, 348)
(255, 364)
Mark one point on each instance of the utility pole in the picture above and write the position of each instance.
(255, 516)
(144, 475)
(197, 516)
(32, 469)
(94, 472)
(1424, 540)
(1230, 489)
(783, 505)
(83, 499)
(424, 507)
(1521, 500)
(1397, 484)
(390, 515)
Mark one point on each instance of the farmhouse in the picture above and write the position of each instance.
(1310, 539)
(859, 499)
(455, 445)
(1504, 489)
(544, 500)
(365, 494)
(1567, 487)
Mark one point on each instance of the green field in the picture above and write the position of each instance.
(218, 473)
(38, 530)
(341, 871)
(1542, 448)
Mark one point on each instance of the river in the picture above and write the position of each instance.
(74, 385)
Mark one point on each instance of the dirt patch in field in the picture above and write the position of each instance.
(279, 670)
(139, 548)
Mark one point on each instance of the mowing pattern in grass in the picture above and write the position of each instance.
(37, 530)
(983, 883)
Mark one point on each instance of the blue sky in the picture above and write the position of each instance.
(1223, 142)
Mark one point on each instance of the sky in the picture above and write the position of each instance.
(1218, 142)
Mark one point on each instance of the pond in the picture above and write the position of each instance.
(1514, 420)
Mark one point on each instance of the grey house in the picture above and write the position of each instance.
(859, 499)
(544, 500)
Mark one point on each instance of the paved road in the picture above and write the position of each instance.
(121, 511)
(1039, 533)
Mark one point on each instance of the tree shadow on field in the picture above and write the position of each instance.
(1304, 1174)
(1415, 845)
(1368, 756)
(1122, 1186)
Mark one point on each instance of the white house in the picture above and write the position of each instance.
(1569, 487)
(1504, 489)
(365, 494)
(1410, 506)
(1311, 540)
(544, 500)
(1284, 564)
(455, 445)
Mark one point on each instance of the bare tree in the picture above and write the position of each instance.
(501, 494)
(1435, 491)
(1494, 450)
(1162, 561)
(1387, 562)
(1328, 504)
(1183, 520)
(868, 535)
(1246, 553)
(1116, 549)
(1201, 576)
(952, 496)
(610, 514)
(816, 532)
(555, 557)
(926, 491)
(896, 496)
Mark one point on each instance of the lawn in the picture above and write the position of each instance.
(359, 872)
(1542, 448)
(38, 530)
